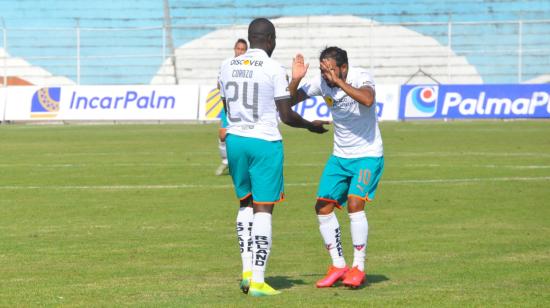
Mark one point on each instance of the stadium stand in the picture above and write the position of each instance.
(19, 72)
(130, 42)
(394, 53)
(120, 41)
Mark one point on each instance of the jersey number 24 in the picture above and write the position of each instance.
(253, 106)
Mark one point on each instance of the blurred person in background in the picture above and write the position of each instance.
(241, 46)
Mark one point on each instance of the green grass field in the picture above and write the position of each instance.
(132, 215)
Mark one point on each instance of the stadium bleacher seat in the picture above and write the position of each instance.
(122, 41)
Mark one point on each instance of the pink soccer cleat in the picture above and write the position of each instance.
(354, 278)
(333, 275)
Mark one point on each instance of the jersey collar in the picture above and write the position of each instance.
(257, 50)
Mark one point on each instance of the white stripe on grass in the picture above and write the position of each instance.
(215, 152)
(95, 165)
(211, 165)
(462, 154)
(224, 186)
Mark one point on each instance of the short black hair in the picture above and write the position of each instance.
(338, 54)
(260, 30)
(241, 41)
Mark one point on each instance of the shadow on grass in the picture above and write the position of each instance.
(371, 279)
(286, 282)
(283, 282)
(375, 278)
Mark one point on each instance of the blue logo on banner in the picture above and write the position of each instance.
(45, 103)
(475, 101)
(317, 108)
(421, 102)
(315, 104)
(379, 109)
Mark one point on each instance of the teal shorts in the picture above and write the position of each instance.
(350, 177)
(256, 167)
(223, 119)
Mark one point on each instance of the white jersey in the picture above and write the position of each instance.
(356, 132)
(250, 84)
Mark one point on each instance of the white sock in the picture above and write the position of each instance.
(359, 234)
(261, 246)
(223, 151)
(244, 229)
(330, 231)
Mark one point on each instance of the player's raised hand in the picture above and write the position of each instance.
(299, 68)
(328, 71)
(318, 127)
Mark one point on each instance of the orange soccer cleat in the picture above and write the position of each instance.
(333, 275)
(354, 278)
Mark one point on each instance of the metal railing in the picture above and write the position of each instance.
(500, 51)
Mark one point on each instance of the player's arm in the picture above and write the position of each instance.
(284, 102)
(291, 118)
(364, 95)
(298, 95)
(299, 70)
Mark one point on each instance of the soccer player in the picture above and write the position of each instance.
(353, 170)
(254, 89)
(241, 46)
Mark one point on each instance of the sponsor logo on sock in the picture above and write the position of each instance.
(240, 229)
(339, 242)
(249, 244)
(359, 247)
(328, 246)
(260, 254)
(240, 234)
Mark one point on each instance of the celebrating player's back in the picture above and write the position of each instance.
(254, 89)
(252, 83)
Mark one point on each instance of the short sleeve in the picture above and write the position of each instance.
(364, 79)
(220, 80)
(220, 84)
(312, 87)
(280, 84)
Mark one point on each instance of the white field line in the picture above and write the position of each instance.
(119, 153)
(213, 152)
(175, 164)
(184, 164)
(224, 186)
(515, 166)
(489, 166)
(462, 154)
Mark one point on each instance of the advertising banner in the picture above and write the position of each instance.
(314, 108)
(387, 105)
(102, 103)
(2, 103)
(210, 103)
(495, 101)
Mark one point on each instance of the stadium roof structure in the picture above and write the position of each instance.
(393, 53)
